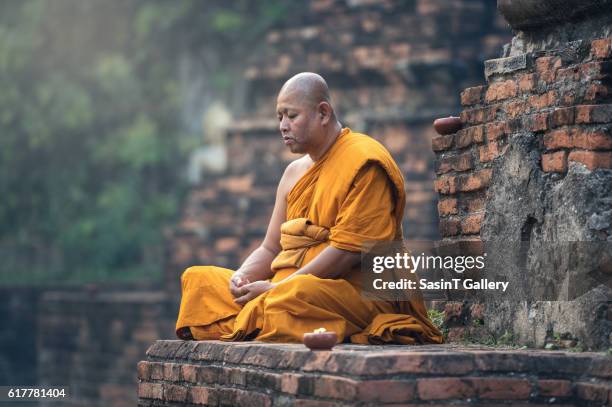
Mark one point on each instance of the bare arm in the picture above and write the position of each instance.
(256, 267)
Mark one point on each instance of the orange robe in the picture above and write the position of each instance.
(353, 195)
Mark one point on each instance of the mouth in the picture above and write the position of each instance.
(288, 140)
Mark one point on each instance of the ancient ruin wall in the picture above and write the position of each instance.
(531, 168)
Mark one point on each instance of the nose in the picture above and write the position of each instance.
(284, 125)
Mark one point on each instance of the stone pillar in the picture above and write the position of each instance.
(532, 168)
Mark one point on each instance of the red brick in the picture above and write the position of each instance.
(495, 130)
(501, 91)
(444, 389)
(546, 67)
(472, 96)
(447, 206)
(561, 138)
(592, 159)
(386, 391)
(593, 114)
(568, 74)
(475, 181)
(290, 383)
(512, 126)
(441, 143)
(460, 162)
(151, 391)
(175, 392)
(156, 371)
(592, 139)
(592, 392)
(527, 83)
(568, 98)
(516, 108)
(172, 372)
(143, 370)
(554, 162)
(501, 388)
(539, 102)
(536, 122)
(469, 135)
(449, 227)
(555, 388)
(189, 373)
(601, 48)
(445, 185)
(473, 204)
(595, 70)
(208, 374)
(202, 395)
(245, 398)
(596, 92)
(471, 224)
(562, 116)
(491, 151)
(338, 388)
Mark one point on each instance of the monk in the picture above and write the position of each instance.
(344, 191)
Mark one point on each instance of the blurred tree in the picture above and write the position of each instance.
(91, 145)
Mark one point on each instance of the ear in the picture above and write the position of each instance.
(325, 112)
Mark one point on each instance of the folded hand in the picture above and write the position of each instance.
(251, 290)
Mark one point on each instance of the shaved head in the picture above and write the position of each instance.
(308, 87)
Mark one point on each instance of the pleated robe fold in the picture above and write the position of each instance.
(353, 195)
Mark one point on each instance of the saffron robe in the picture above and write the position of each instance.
(353, 195)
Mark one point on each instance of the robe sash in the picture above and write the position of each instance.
(297, 235)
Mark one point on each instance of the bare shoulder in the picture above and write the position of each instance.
(294, 172)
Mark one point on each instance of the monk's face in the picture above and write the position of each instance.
(299, 122)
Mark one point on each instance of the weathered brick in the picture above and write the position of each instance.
(472, 96)
(189, 373)
(202, 395)
(337, 388)
(535, 122)
(592, 392)
(592, 159)
(592, 139)
(498, 388)
(601, 48)
(495, 130)
(156, 371)
(596, 92)
(561, 138)
(512, 126)
(263, 380)
(175, 392)
(554, 162)
(447, 206)
(528, 82)
(491, 151)
(446, 388)
(562, 116)
(546, 68)
(516, 108)
(473, 203)
(568, 74)
(449, 226)
(459, 162)
(471, 224)
(445, 185)
(539, 102)
(501, 91)
(473, 116)
(143, 370)
(469, 135)
(555, 388)
(208, 374)
(592, 71)
(172, 372)
(151, 391)
(593, 114)
(441, 143)
(475, 181)
(244, 398)
(386, 391)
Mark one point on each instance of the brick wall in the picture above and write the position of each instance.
(530, 169)
(392, 66)
(90, 341)
(217, 373)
